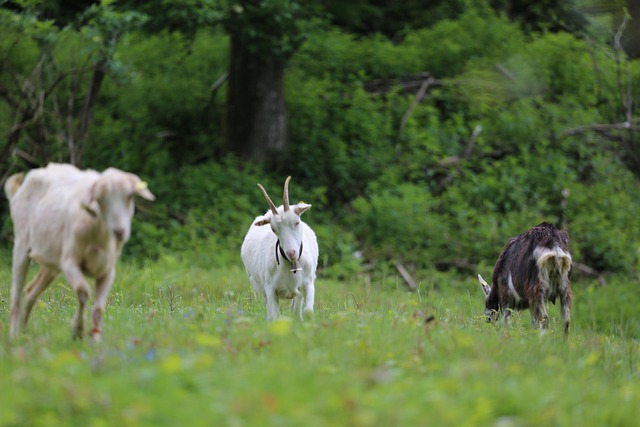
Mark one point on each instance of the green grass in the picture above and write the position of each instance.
(191, 346)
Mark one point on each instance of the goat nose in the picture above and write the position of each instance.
(292, 255)
(119, 233)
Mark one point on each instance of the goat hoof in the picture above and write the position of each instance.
(307, 314)
(77, 332)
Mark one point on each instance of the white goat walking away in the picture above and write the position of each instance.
(534, 267)
(282, 259)
(70, 221)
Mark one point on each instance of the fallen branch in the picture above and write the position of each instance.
(408, 84)
(215, 86)
(416, 100)
(218, 83)
(405, 275)
(466, 153)
(454, 160)
(30, 160)
(505, 72)
(590, 271)
(458, 263)
(602, 128)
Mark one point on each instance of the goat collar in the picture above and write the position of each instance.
(294, 264)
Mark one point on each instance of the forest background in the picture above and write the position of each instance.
(424, 133)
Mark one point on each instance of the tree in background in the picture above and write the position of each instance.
(390, 18)
(264, 35)
(51, 76)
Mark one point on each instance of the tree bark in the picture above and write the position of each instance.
(77, 138)
(256, 121)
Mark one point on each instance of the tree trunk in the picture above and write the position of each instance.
(256, 121)
(631, 36)
(77, 136)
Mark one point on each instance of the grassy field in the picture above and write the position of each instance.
(189, 346)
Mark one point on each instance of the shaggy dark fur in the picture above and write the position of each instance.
(539, 263)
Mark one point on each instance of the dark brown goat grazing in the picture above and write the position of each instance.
(534, 267)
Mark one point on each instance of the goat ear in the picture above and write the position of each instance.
(92, 208)
(90, 203)
(142, 190)
(486, 289)
(261, 222)
(300, 207)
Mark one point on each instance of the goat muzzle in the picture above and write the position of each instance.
(119, 234)
(295, 265)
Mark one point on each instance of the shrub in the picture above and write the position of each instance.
(157, 115)
(400, 223)
(447, 47)
(337, 142)
(347, 59)
(602, 218)
(208, 204)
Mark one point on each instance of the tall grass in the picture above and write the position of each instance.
(191, 346)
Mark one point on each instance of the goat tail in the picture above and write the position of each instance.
(12, 184)
(563, 262)
(549, 258)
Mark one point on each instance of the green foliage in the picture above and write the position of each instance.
(602, 213)
(488, 152)
(499, 143)
(52, 85)
(390, 18)
(347, 145)
(28, 24)
(449, 45)
(102, 26)
(146, 122)
(560, 66)
(208, 209)
(269, 28)
(400, 221)
(187, 17)
(345, 58)
(551, 15)
(348, 141)
(339, 257)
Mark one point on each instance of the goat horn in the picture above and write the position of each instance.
(271, 205)
(285, 196)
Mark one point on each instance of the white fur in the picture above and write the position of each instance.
(543, 254)
(275, 281)
(560, 258)
(512, 289)
(70, 221)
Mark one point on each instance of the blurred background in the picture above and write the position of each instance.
(424, 133)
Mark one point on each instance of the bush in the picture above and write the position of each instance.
(156, 115)
(422, 194)
(348, 59)
(400, 223)
(602, 218)
(447, 47)
(208, 204)
(338, 142)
